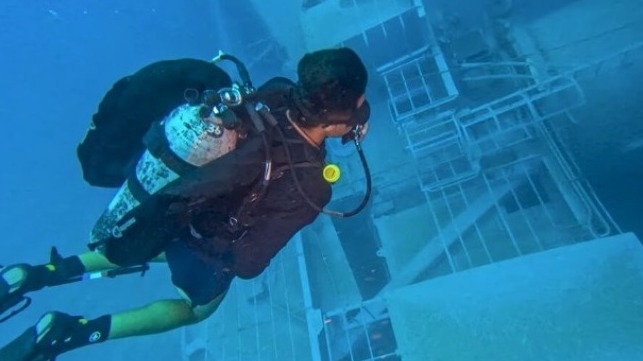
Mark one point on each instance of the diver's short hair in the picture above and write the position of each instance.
(331, 79)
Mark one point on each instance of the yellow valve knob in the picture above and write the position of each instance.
(331, 173)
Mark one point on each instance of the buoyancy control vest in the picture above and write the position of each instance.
(193, 135)
(190, 141)
(186, 142)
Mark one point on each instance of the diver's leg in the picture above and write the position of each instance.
(56, 333)
(16, 280)
(201, 282)
(96, 261)
(160, 316)
(20, 279)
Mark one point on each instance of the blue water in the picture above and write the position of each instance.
(57, 59)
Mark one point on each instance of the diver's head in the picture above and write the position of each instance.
(330, 90)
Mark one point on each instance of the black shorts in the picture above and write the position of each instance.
(201, 279)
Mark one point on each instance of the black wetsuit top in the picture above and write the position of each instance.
(209, 255)
(276, 216)
(199, 244)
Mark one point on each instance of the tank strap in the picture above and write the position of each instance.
(300, 153)
(279, 171)
(136, 188)
(259, 115)
(157, 144)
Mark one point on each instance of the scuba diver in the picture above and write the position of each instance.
(214, 178)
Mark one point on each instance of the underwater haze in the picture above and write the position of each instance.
(518, 137)
(57, 60)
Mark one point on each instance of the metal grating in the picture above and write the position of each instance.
(453, 147)
(440, 149)
(267, 318)
(528, 199)
(497, 186)
(418, 83)
(519, 193)
(376, 339)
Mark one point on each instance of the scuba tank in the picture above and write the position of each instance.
(201, 130)
(197, 133)
(113, 144)
(192, 137)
